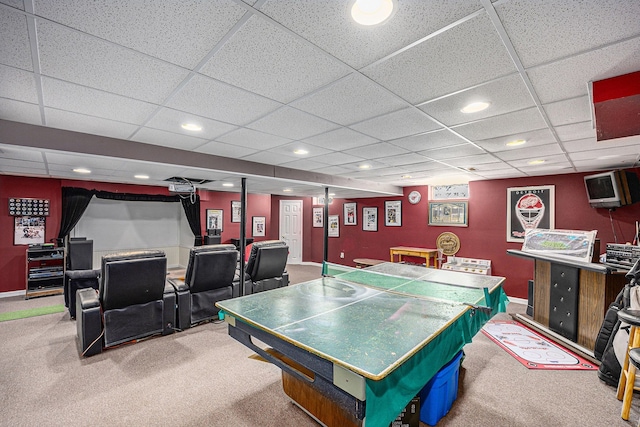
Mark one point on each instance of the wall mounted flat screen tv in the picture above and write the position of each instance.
(612, 189)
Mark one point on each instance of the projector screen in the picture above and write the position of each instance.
(126, 225)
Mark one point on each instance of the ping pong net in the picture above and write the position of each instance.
(418, 282)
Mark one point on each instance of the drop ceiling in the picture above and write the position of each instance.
(112, 82)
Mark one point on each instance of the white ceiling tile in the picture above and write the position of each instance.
(404, 159)
(592, 165)
(15, 49)
(340, 139)
(505, 95)
(88, 61)
(502, 173)
(558, 167)
(9, 152)
(253, 139)
(576, 26)
(429, 141)
(304, 164)
(475, 54)
(526, 152)
(87, 124)
(569, 77)
(532, 138)
(329, 25)
(569, 111)
(506, 124)
(332, 170)
(23, 164)
(18, 111)
(225, 150)
(377, 151)
(92, 102)
(312, 150)
(588, 144)
(452, 152)
(262, 58)
(350, 100)
(179, 32)
(576, 131)
(18, 4)
(172, 121)
(23, 171)
(167, 139)
(629, 151)
(475, 161)
(291, 123)
(335, 159)
(219, 101)
(398, 124)
(549, 161)
(17, 84)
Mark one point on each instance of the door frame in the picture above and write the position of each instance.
(300, 201)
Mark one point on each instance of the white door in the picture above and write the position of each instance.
(291, 228)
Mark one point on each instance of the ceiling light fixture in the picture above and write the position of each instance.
(191, 126)
(287, 190)
(516, 142)
(405, 177)
(300, 151)
(227, 184)
(141, 176)
(371, 12)
(475, 107)
(82, 170)
(536, 162)
(364, 166)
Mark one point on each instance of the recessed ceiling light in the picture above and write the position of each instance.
(332, 194)
(81, 170)
(516, 142)
(140, 176)
(371, 12)
(287, 190)
(474, 107)
(365, 166)
(300, 151)
(536, 162)
(405, 177)
(191, 126)
(227, 184)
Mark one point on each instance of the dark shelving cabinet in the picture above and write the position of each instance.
(45, 271)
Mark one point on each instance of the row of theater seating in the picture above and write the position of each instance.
(130, 297)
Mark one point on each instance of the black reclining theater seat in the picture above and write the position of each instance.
(211, 276)
(134, 301)
(266, 267)
(79, 273)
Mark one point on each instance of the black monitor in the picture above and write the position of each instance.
(213, 232)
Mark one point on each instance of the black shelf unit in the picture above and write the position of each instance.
(45, 271)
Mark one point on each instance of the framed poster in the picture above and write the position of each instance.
(214, 219)
(318, 217)
(370, 219)
(529, 208)
(28, 230)
(259, 225)
(334, 226)
(350, 214)
(393, 213)
(449, 213)
(447, 192)
(235, 211)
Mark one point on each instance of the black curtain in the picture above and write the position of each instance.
(74, 203)
(76, 200)
(192, 211)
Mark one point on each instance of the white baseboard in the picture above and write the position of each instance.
(12, 294)
(518, 300)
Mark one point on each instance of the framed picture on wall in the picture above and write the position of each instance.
(453, 214)
(28, 230)
(259, 225)
(318, 217)
(334, 226)
(235, 211)
(370, 219)
(214, 219)
(529, 208)
(393, 213)
(350, 214)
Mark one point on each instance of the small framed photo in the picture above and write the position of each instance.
(393, 213)
(235, 211)
(214, 219)
(350, 214)
(28, 230)
(334, 226)
(449, 213)
(369, 219)
(259, 225)
(318, 217)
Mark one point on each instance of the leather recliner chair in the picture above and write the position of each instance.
(266, 266)
(79, 273)
(211, 276)
(133, 301)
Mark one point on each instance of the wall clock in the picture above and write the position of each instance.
(414, 197)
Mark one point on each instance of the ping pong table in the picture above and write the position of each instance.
(356, 345)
